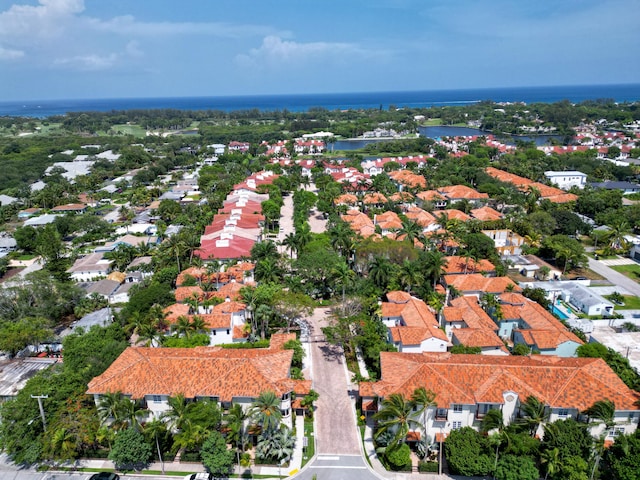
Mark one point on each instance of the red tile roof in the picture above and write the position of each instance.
(476, 282)
(200, 372)
(457, 264)
(470, 379)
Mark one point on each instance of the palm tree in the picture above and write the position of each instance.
(63, 444)
(283, 444)
(303, 236)
(290, 241)
(380, 271)
(176, 247)
(412, 231)
(235, 423)
(190, 437)
(423, 399)
(344, 275)
(493, 420)
(434, 264)
(604, 411)
(396, 416)
(111, 409)
(198, 325)
(182, 327)
(535, 413)
(262, 315)
(155, 429)
(551, 459)
(265, 411)
(409, 275)
(132, 413)
(262, 250)
(176, 416)
(158, 317)
(268, 271)
(616, 236)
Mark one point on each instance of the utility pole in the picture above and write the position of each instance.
(39, 398)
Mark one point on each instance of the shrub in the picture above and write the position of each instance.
(428, 467)
(399, 457)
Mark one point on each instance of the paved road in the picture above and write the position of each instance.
(335, 417)
(614, 277)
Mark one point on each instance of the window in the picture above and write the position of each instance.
(563, 412)
(157, 399)
(228, 331)
(457, 408)
(285, 412)
(285, 396)
(615, 431)
(456, 425)
(441, 413)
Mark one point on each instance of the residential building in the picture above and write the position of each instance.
(466, 387)
(566, 180)
(90, 267)
(412, 325)
(626, 188)
(506, 241)
(153, 375)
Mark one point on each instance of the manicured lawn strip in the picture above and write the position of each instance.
(631, 302)
(311, 446)
(154, 472)
(631, 271)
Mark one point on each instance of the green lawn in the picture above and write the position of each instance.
(631, 271)
(135, 130)
(311, 446)
(432, 122)
(631, 302)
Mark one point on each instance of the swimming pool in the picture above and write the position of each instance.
(559, 313)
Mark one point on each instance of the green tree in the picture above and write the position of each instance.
(622, 459)
(265, 411)
(16, 335)
(511, 467)
(423, 400)
(216, 458)
(396, 416)
(465, 449)
(534, 414)
(130, 450)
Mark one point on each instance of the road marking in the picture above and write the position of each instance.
(327, 457)
(337, 466)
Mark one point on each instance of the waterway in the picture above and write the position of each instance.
(439, 131)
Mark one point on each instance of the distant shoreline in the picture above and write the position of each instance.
(327, 101)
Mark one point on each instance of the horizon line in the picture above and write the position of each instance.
(368, 92)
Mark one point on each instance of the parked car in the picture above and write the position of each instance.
(199, 476)
(104, 476)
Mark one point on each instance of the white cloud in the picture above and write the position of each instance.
(90, 62)
(133, 49)
(24, 24)
(274, 51)
(10, 54)
(128, 25)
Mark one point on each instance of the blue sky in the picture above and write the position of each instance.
(54, 49)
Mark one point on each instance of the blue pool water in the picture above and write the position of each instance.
(559, 313)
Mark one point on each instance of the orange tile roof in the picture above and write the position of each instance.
(374, 198)
(457, 192)
(388, 220)
(420, 216)
(453, 214)
(486, 214)
(408, 178)
(229, 307)
(185, 293)
(430, 196)
(176, 310)
(401, 197)
(457, 264)
(418, 323)
(195, 272)
(398, 296)
(475, 337)
(472, 313)
(470, 379)
(197, 372)
(538, 320)
(346, 199)
(476, 282)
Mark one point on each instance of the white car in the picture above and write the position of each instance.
(199, 476)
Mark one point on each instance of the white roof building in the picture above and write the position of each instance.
(568, 179)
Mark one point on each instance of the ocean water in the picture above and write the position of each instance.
(333, 101)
